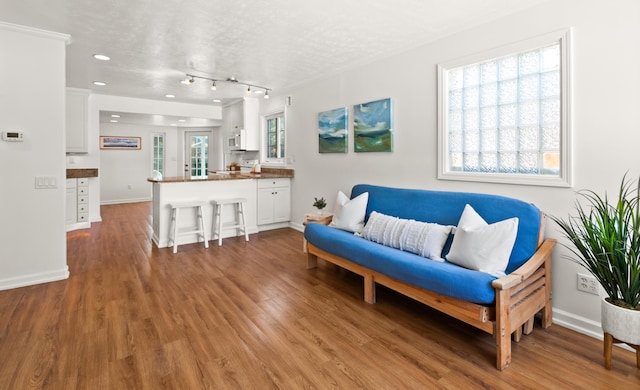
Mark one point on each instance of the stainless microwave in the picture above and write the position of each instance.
(238, 140)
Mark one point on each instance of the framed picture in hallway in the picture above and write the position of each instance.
(120, 143)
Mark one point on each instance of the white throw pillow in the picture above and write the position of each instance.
(421, 238)
(349, 213)
(480, 246)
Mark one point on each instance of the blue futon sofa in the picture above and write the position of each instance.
(501, 306)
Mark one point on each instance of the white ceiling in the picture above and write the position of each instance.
(275, 43)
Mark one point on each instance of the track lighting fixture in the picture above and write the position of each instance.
(188, 80)
(191, 78)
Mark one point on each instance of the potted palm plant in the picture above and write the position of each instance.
(605, 238)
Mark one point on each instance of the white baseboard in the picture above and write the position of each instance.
(296, 226)
(29, 280)
(582, 325)
(272, 226)
(226, 233)
(78, 225)
(121, 201)
(577, 323)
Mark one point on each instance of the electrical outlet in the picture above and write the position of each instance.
(588, 284)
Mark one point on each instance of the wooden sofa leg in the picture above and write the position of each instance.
(547, 315)
(517, 334)
(502, 330)
(312, 261)
(369, 289)
(528, 326)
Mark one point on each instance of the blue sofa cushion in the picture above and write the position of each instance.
(443, 278)
(445, 208)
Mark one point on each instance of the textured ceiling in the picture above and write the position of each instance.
(275, 43)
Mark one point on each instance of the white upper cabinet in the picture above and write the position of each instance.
(77, 120)
(243, 115)
(251, 109)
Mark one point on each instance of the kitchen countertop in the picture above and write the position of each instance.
(81, 172)
(265, 174)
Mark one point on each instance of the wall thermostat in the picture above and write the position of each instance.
(12, 136)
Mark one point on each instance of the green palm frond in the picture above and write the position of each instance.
(606, 240)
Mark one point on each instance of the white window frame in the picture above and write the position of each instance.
(163, 158)
(564, 179)
(265, 138)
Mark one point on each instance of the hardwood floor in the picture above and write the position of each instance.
(250, 316)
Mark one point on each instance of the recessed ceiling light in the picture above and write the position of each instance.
(101, 57)
(170, 96)
(115, 116)
(217, 100)
(258, 91)
(182, 120)
(173, 124)
(100, 83)
(113, 121)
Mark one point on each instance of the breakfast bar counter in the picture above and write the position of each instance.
(204, 189)
(222, 176)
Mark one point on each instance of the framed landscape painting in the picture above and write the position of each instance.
(122, 143)
(372, 126)
(332, 131)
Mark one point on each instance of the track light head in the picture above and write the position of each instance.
(213, 86)
(248, 88)
(266, 94)
(189, 80)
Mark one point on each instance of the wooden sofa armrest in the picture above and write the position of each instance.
(542, 254)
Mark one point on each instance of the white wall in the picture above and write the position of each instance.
(32, 231)
(124, 173)
(92, 159)
(605, 139)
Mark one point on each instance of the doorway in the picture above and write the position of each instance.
(197, 152)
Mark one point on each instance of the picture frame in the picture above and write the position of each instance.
(114, 142)
(333, 131)
(373, 126)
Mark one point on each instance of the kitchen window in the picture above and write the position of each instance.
(275, 137)
(504, 116)
(158, 153)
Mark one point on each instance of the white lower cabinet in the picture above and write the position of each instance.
(83, 199)
(72, 199)
(274, 201)
(77, 213)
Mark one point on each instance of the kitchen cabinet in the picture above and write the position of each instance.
(243, 115)
(77, 212)
(77, 102)
(83, 200)
(274, 201)
(72, 205)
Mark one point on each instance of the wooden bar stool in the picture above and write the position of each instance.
(239, 222)
(175, 232)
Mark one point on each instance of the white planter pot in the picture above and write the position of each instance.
(623, 324)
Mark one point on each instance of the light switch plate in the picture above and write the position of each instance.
(46, 182)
